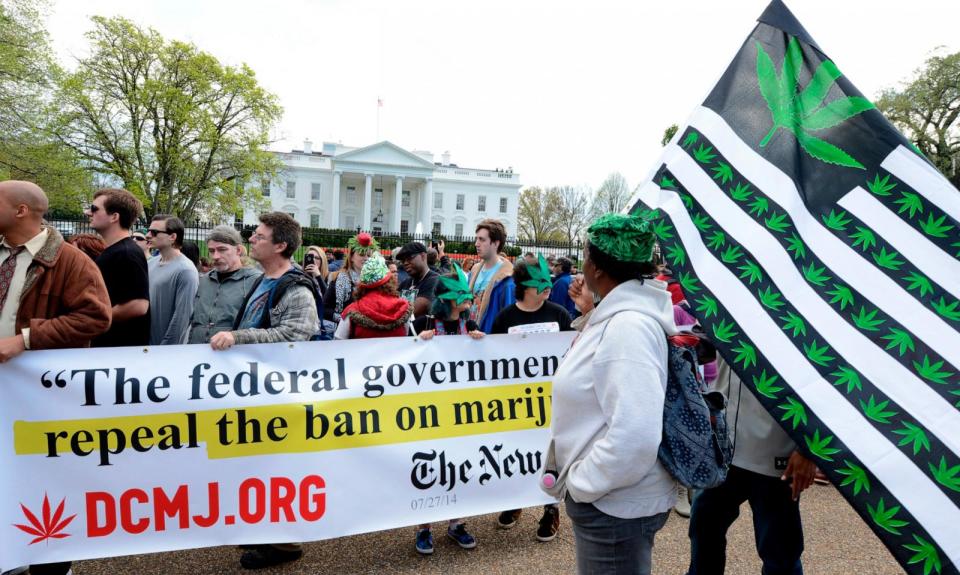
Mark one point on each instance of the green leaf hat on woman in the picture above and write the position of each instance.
(539, 276)
(458, 289)
(625, 238)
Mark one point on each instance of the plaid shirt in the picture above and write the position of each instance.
(293, 318)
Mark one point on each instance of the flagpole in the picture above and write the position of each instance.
(379, 105)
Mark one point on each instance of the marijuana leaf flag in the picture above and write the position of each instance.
(819, 249)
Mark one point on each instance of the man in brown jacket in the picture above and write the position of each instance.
(51, 294)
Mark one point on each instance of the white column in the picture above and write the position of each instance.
(397, 204)
(367, 201)
(426, 204)
(335, 202)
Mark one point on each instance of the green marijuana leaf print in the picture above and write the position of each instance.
(815, 275)
(949, 477)
(855, 475)
(863, 238)
(765, 386)
(716, 240)
(865, 320)
(887, 260)
(884, 518)
(931, 371)
(913, 434)
(794, 323)
(704, 154)
(877, 411)
(881, 187)
(724, 331)
(795, 411)
(676, 255)
(666, 182)
(926, 552)
(818, 355)
(722, 172)
(842, 295)
(820, 447)
(849, 377)
(909, 202)
(751, 272)
(899, 339)
(690, 140)
(920, 282)
(935, 227)
(689, 283)
(746, 354)
(771, 299)
(702, 222)
(741, 192)
(803, 112)
(836, 220)
(947, 310)
(707, 306)
(796, 247)
(731, 255)
(777, 223)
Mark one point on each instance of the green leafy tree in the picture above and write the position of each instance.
(184, 132)
(668, 134)
(925, 109)
(28, 149)
(538, 218)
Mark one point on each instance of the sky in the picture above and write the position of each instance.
(563, 92)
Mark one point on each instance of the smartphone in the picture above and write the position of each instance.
(309, 259)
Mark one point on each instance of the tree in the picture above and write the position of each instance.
(668, 134)
(573, 210)
(926, 110)
(612, 195)
(538, 216)
(27, 149)
(176, 127)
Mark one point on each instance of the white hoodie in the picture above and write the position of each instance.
(607, 413)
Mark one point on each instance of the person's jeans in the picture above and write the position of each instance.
(608, 545)
(776, 524)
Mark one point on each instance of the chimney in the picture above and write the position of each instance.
(446, 158)
(307, 146)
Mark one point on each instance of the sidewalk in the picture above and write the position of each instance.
(837, 543)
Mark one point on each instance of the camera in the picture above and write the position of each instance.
(309, 259)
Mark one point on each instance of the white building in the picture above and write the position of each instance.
(386, 188)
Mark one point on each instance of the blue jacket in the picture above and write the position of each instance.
(497, 295)
(560, 296)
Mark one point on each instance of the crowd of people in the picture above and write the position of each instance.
(132, 287)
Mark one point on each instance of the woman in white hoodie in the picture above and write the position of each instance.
(608, 396)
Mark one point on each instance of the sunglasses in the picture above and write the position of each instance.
(153, 232)
(139, 239)
(94, 208)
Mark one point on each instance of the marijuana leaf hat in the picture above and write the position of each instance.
(626, 238)
(457, 289)
(539, 276)
(375, 272)
(363, 244)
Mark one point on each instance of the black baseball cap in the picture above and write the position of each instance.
(411, 249)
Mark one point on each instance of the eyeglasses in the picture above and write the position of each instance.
(153, 232)
(139, 239)
(94, 208)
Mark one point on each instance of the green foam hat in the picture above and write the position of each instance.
(626, 238)
(539, 276)
(458, 289)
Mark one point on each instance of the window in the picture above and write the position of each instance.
(351, 197)
(404, 226)
(265, 188)
(503, 205)
(349, 222)
(405, 198)
(436, 228)
(438, 200)
(291, 190)
(378, 200)
(460, 201)
(292, 215)
(481, 203)
(459, 230)
(315, 189)
(314, 220)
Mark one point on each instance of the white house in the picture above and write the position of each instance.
(386, 188)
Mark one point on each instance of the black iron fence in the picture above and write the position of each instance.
(458, 247)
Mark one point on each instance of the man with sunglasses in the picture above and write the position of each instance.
(124, 268)
(173, 282)
(140, 237)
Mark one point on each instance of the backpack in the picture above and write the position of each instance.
(695, 448)
(287, 280)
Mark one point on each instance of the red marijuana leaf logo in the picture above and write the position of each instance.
(50, 527)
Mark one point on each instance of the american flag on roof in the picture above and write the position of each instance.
(819, 249)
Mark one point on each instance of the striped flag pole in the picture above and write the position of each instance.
(820, 251)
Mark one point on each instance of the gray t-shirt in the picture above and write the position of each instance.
(173, 285)
(758, 440)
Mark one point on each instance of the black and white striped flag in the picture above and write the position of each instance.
(820, 251)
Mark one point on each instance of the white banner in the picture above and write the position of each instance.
(132, 450)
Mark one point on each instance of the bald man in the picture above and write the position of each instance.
(51, 294)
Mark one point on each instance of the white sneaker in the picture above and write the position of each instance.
(683, 502)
